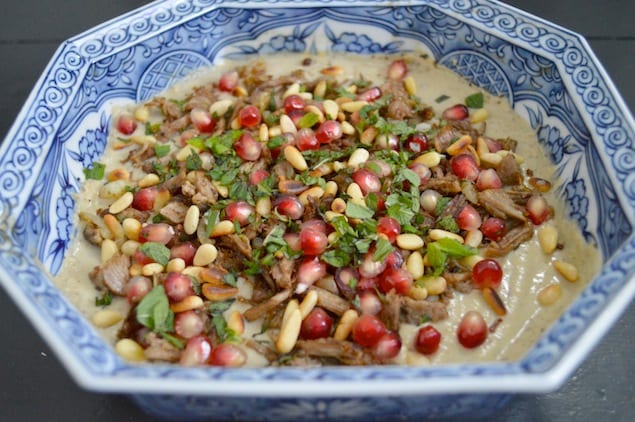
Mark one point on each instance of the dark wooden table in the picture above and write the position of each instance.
(34, 387)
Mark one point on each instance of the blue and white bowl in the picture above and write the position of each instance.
(548, 74)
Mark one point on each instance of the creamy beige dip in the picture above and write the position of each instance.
(526, 270)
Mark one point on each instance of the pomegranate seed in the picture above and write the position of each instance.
(316, 325)
(310, 270)
(387, 347)
(366, 283)
(422, 171)
(417, 143)
(126, 124)
(289, 206)
(293, 240)
(313, 242)
(394, 259)
(137, 287)
(488, 179)
(185, 251)
(249, 116)
(141, 258)
(202, 120)
(227, 355)
(367, 181)
(427, 340)
(296, 116)
(389, 141)
(492, 144)
(344, 279)
(159, 233)
(368, 330)
(257, 176)
(328, 131)
(389, 227)
(456, 112)
(464, 166)
(493, 228)
(239, 211)
(293, 102)
(315, 224)
(247, 147)
(396, 279)
(178, 286)
(197, 351)
(397, 70)
(228, 81)
(306, 140)
(370, 268)
(369, 302)
(472, 330)
(144, 198)
(487, 273)
(380, 167)
(468, 218)
(538, 209)
(188, 324)
(370, 95)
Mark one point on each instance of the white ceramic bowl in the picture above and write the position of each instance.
(548, 73)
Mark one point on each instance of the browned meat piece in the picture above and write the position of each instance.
(469, 191)
(159, 349)
(456, 204)
(174, 211)
(237, 243)
(461, 282)
(391, 310)
(331, 302)
(302, 360)
(113, 275)
(282, 273)
(259, 310)
(445, 185)
(201, 190)
(509, 171)
(262, 348)
(498, 203)
(174, 183)
(519, 194)
(173, 127)
(508, 143)
(134, 213)
(444, 138)
(414, 310)
(92, 234)
(201, 99)
(514, 238)
(346, 352)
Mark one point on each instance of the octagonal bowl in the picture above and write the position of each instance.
(547, 73)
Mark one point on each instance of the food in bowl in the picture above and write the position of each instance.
(353, 210)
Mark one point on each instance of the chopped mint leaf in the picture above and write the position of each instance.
(354, 210)
(158, 252)
(95, 172)
(475, 100)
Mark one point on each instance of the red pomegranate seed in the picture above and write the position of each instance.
(346, 278)
(317, 324)
(239, 211)
(464, 166)
(456, 112)
(538, 209)
(293, 240)
(310, 270)
(488, 179)
(370, 268)
(144, 198)
(315, 224)
(141, 258)
(249, 116)
(369, 302)
(289, 206)
(395, 278)
(313, 242)
(306, 140)
(228, 81)
(367, 181)
(494, 228)
(293, 102)
(422, 171)
(228, 355)
(366, 283)
(427, 340)
(394, 259)
(367, 330)
(492, 144)
(472, 330)
(197, 351)
(468, 218)
(137, 287)
(370, 95)
(188, 324)
(387, 347)
(247, 147)
(380, 167)
(202, 120)
(388, 227)
(126, 124)
(397, 70)
(296, 116)
(328, 131)
(178, 286)
(417, 143)
(159, 233)
(185, 251)
(487, 273)
(257, 176)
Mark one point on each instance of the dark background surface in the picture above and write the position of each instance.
(34, 387)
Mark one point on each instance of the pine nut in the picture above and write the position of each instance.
(320, 89)
(236, 322)
(108, 250)
(567, 270)
(240, 91)
(479, 116)
(354, 191)
(289, 332)
(338, 205)
(345, 326)
(429, 159)
(142, 114)
(414, 264)
(353, 106)
(459, 145)
(293, 89)
(114, 226)
(130, 350)
(481, 146)
(549, 295)
(409, 241)
(263, 133)
(205, 255)
(151, 269)
(332, 71)
(131, 228)
(106, 318)
(121, 204)
(274, 131)
(192, 271)
(490, 159)
(222, 228)
(175, 265)
(148, 180)
(418, 292)
(220, 107)
(295, 158)
(129, 247)
(347, 128)
(313, 109)
(473, 238)
(330, 215)
(330, 188)
(118, 174)
(308, 303)
(434, 285)
(368, 135)
(315, 192)
(287, 125)
(185, 152)
(438, 234)
(135, 269)
(338, 165)
(410, 85)
(548, 238)
(190, 223)
(221, 189)
(188, 304)
(263, 206)
(358, 157)
(143, 139)
(471, 261)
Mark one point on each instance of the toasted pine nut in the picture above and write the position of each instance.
(135, 269)
(418, 292)
(118, 174)
(114, 226)
(549, 295)
(332, 71)
(320, 89)
(368, 135)
(295, 158)
(220, 107)
(338, 205)
(142, 114)
(434, 285)
(490, 159)
(347, 128)
(205, 255)
(236, 322)
(143, 139)
(353, 106)
(190, 223)
(345, 326)
(429, 159)
(410, 85)
(131, 228)
(121, 204)
(494, 301)
(308, 303)
(567, 270)
(437, 234)
(175, 265)
(192, 270)
(473, 238)
(289, 332)
(152, 269)
(479, 116)
(459, 145)
(263, 206)
(130, 350)
(148, 180)
(409, 241)
(108, 250)
(414, 264)
(293, 89)
(287, 125)
(187, 304)
(129, 247)
(548, 238)
(106, 318)
(354, 191)
(315, 192)
(330, 188)
(358, 157)
(222, 228)
(481, 146)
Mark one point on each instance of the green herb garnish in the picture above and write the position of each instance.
(475, 100)
(95, 172)
(158, 252)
